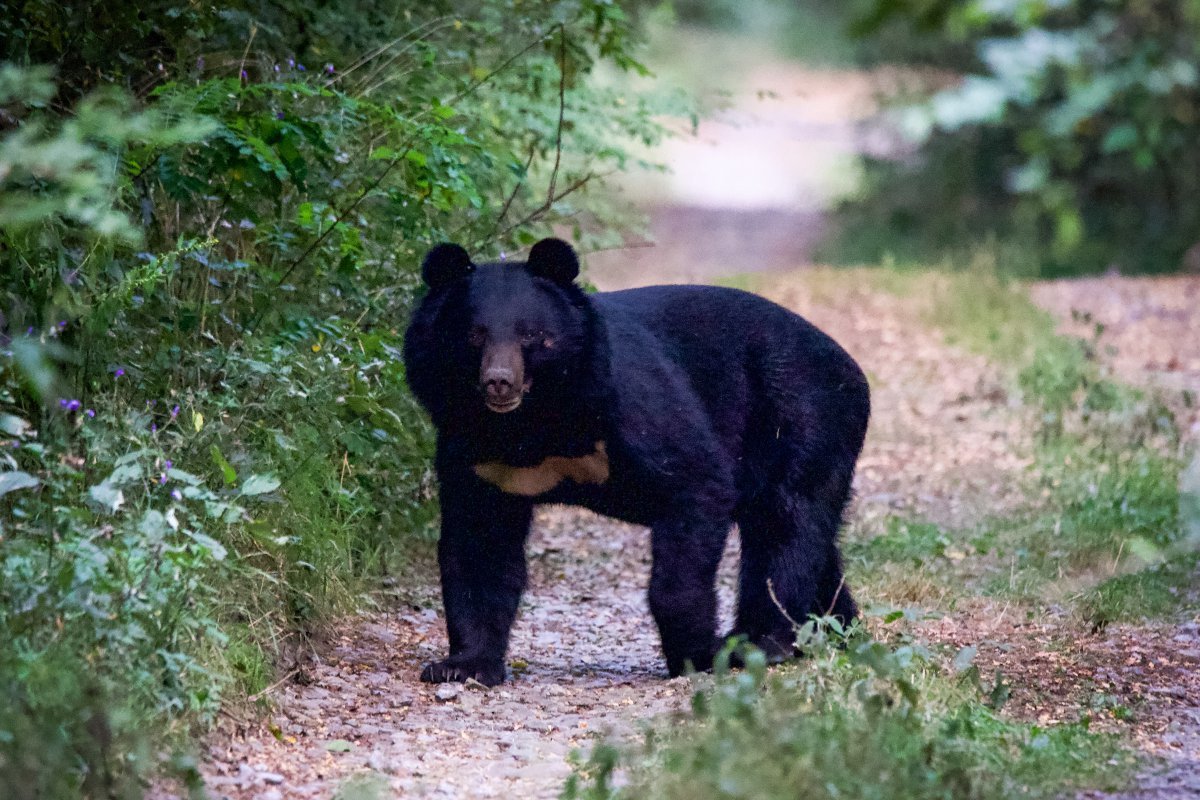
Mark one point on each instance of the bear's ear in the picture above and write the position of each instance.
(446, 262)
(554, 260)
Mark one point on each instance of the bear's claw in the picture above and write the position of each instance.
(453, 670)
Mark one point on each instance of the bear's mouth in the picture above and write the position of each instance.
(503, 407)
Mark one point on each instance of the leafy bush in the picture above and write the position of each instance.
(867, 721)
(208, 447)
(1070, 134)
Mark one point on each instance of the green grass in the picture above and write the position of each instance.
(1157, 591)
(904, 541)
(1105, 495)
(865, 721)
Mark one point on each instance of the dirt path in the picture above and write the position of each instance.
(1147, 331)
(584, 659)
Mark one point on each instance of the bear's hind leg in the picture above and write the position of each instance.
(683, 597)
(790, 570)
(775, 576)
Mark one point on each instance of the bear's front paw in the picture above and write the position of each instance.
(459, 670)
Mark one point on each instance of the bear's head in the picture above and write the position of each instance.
(504, 334)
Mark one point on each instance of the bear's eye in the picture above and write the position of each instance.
(536, 337)
(477, 337)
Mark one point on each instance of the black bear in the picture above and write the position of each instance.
(682, 408)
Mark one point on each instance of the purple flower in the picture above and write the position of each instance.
(300, 67)
(168, 464)
(73, 405)
(154, 427)
(277, 68)
(63, 402)
(279, 115)
(244, 76)
(119, 373)
(162, 479)
(291, 63)
(62, 324)
(176, 494)
(91, 412)
(29, 331)
(329, 68)
(175, 412)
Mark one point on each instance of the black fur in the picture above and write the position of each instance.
(716, 406)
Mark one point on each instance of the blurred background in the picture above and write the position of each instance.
(1058, 136)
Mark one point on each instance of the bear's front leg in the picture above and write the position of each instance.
(683, 599)
(481, 555)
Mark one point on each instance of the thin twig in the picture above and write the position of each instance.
(246, 52)
(392, 59)
(513, 195)
(550, 201)
(274, 686)
(779, 605)
(562, 107)
(420, 32)
(833, 602)
(626, 246)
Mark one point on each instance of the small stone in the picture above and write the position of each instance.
(271, 778)
(447, 692)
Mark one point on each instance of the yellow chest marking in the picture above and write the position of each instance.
(533, 481)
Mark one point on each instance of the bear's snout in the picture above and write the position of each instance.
(502, 376)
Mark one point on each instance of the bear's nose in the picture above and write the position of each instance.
(499, 381)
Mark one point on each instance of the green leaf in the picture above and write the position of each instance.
(153, 525)
(12, 481)
(964, 657)
(1120, 137)
(186, 477)
(215, 548)
(227, 470)
(13, 426)
(107, 496)
(259, 484)
(339, 746)
(125, 474)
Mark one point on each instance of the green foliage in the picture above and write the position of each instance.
(866, 720)
(208, 448)
(1070, 133)
(815, 32)
(1156, 591)
(904, 542)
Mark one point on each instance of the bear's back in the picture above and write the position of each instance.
(710, 327)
